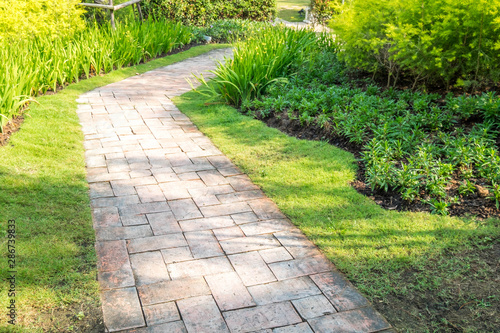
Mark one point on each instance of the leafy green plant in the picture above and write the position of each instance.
(33, 66)
(205, 12)
(466, 188)
(258, 62)
(438, 206)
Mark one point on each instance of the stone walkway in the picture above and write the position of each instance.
(185, 241)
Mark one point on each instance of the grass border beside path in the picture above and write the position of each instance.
(44, 189)
(383, 252)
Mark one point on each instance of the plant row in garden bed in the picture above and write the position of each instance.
(35, 66)
(425, 150)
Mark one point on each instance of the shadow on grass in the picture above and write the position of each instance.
(310, 182)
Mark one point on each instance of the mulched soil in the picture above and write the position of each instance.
(482, 207)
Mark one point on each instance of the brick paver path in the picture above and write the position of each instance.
(185, 241)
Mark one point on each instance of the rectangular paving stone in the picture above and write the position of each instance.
(244, 218)
(112, 255)
(212, 178)
(150, 193)
(265, 209)
(275, 255)
(121, 190)
(106, 217)
(286, 290)
(240, 196)
(163, 223)
(100, 190)
(161, 313)
(231, 171)
(149, 267)
(121, 278)
(176, 254)
(300, 267)
(156, 243)
(199, 267)
(313, 306)
(106, 177)
(171, 327)
(242, 183)
(251, 268)
(245, 244)
(360, 320)
(164, 175)
(115, 201)
(225, 209)
(201, 314)
(261, 317)
(193, 168)
(144, 208)
(206, 223)
(173, 191)
(116, 233)
(203, 244)
(167, 291)
(134, 220)
(228, 233)
(339, 291)
(297, 328)
(188, 176)
(184, 209)
(229, 291)
(121, 309)
(265, 227)
(297, 244)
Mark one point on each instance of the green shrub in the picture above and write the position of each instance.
(30, 18)
(264, 58)
(33, 66)
(441, 41)
(324, 10)
(204, 12)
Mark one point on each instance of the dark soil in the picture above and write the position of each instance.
(84, 318)
(482, 207)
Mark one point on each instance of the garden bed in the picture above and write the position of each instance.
(472, 205)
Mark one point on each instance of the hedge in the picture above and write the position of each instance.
(204, 12)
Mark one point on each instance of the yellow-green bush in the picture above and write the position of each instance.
(28, 18)
(447, 41)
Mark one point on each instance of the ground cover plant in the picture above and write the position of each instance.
(35, 65)
(422, 272)
(431, 151)
(43, 188)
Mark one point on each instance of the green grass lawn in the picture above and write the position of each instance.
(288, 9)
(385, 253)
(43, 188)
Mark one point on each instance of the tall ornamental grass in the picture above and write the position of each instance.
(33, 66)
(260, 60)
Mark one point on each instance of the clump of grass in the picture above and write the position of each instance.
(33, 66)
(262, 59)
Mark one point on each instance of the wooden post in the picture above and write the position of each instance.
(112, 15)
(140, 11)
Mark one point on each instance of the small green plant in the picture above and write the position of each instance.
(466, 188)
(495, 189)
(438, 206)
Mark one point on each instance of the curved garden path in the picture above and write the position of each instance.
(185, 241)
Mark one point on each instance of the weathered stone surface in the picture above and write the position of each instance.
(201, 314)
(300, 267)
(266, 316)
(339, 291)
(286, 290)
(228, 233)
(176, 254)
(251, 268)
(297, 244)
(275, 255)
(245, 244)
(360, 320)
(112, 255)
(116, 279)
(167, 291)
(229, 291)
(297, 328)
(149, 268)
(163, 223)
(313, 306)
(121, 309)
(199, 267)
(156, 243)
(161, 313)
(203, 244)
(185, 209)
(116, 233)
(206, 223)
(265, 227)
